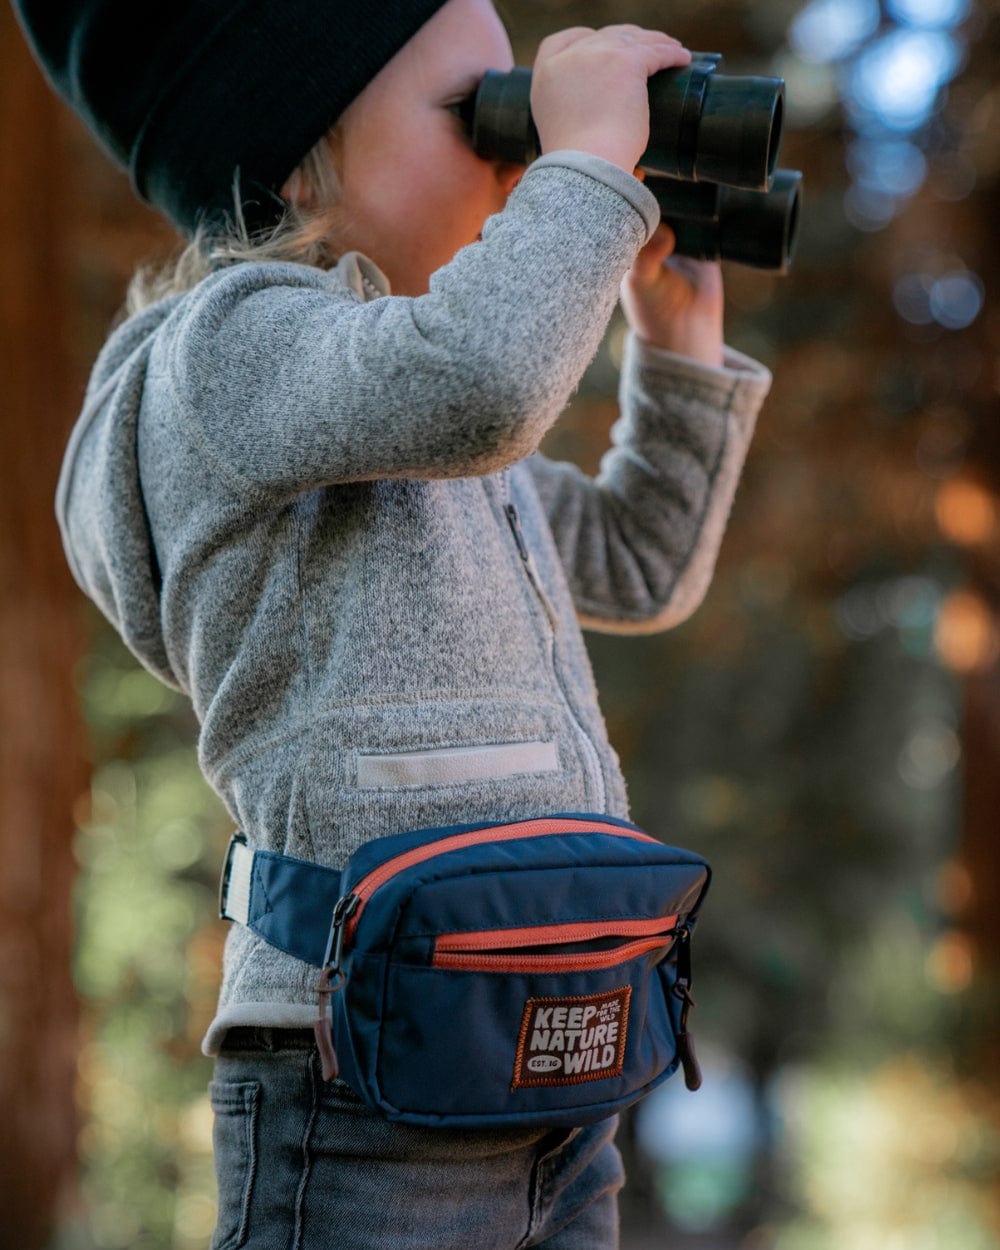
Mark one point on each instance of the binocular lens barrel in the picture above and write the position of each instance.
(708, 127)
(753, 228)
(704, 126)
(710, 162)
(501, 124)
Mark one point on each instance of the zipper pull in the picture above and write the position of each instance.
(331, 980)
(514, 521)
(529, 563)
(682, 988)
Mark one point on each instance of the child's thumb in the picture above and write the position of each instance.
(649, 261)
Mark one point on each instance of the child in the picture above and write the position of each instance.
(309, 495)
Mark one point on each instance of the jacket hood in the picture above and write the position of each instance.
(99, 500)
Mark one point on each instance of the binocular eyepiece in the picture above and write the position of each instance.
(711, 159)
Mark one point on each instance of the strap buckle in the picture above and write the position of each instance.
(234, 884)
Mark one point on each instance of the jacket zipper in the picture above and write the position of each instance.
(528, 560)
(531, 568)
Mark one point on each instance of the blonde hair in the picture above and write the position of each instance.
(304, 234)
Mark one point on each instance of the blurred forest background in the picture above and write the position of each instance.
(826, 729)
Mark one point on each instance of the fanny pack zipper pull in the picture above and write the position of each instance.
(331, 979)
(682, 988)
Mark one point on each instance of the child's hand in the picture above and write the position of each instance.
(588, 89)
(674, 302)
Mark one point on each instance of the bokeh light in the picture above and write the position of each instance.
(907, 604)
(956, 299)
(829, 30)
(892, 65)
(895, 81)
(950, 963)
(966, 512)
(929, 755)
(953, 299)
(929, 12)
(889, 165)
(966, 634)
(703, 1148)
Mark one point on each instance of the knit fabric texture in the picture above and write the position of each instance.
(321, 511)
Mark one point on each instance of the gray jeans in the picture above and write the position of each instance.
(305, 1165)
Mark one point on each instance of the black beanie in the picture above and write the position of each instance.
(186, 95)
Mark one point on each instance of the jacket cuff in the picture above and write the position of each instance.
(740, 383)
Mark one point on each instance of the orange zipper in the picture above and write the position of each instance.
(552, 934)
(473, 961)
(471, 950)
(543, 827)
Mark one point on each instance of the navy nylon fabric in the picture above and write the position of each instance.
(292, 900)
(371, 854)
(446, 1045)
(291, 904)
(460, 1031)
(560, 896)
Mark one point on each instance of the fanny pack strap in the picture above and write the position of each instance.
(288, 902)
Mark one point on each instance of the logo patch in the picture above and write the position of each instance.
(565, 1041)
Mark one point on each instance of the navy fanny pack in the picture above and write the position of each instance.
(537, 972)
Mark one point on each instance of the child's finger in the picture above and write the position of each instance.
(658, 49)
(649, 262)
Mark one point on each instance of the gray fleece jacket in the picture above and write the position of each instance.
(320, 511)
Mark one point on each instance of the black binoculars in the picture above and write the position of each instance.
(711, 160)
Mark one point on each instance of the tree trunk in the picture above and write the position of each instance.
(42, 770)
